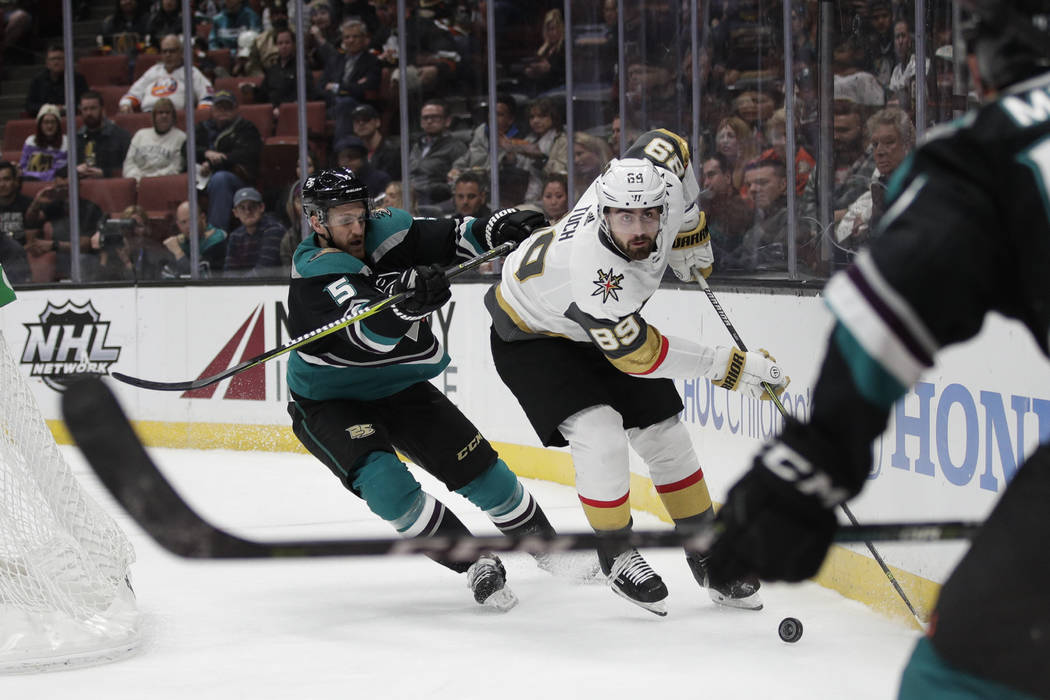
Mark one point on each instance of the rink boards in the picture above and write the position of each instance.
(951, 444)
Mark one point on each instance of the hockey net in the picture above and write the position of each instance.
(65, 596)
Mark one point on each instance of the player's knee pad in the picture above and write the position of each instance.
(666, 449)
(388, 488)
(496, 489)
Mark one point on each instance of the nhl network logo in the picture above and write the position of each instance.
(69, 340)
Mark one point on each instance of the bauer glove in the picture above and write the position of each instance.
(746, 371)
(427, 290)
(513, 225)
(778, 520)
(692, 249)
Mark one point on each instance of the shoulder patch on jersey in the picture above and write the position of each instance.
(381, 212)
(608, 284)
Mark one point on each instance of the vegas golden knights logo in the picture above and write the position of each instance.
(361, 430)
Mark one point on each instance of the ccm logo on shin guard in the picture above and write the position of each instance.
(471, 446)
(361, 431)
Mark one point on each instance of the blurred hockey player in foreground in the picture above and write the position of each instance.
(569, 340)
(361, 393)
(967, 232)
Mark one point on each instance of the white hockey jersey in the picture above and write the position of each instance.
(157, 82)
(571, 282)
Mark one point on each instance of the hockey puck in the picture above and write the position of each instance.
(790, 630)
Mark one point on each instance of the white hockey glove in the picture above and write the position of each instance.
(746, 371)
(692, 249)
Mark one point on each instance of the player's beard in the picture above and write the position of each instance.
(633, 248)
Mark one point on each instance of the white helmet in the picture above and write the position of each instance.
(630, 183)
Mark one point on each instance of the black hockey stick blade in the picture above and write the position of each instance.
(111, 447)
(306, 338)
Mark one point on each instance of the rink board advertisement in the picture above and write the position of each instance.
(951, 444)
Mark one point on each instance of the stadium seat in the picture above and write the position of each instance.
(31, 187)
(288, 120)
(12, 156)
(133, 121)
(104, 70)
(16, 131)
(111, 95)
(233, 84)
(261, 116)
(222, 57)
(111, 194)
(143, 62)
(280, 155)
(159, 196)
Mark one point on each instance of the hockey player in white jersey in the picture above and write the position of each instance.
(569, 340)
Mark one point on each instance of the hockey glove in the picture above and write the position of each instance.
(692, 249)
(746, 371)
(778, 520)
(427, 290)
(512, 225)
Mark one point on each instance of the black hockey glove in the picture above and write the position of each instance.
(778, 520)
(428, 290)
(512, 225)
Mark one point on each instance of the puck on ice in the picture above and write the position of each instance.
(790, 629)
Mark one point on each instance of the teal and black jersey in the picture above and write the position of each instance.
(382, 354)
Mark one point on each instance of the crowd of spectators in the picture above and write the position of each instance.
(244, 58)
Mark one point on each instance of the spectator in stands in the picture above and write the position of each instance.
(228, 149)
(555, 197)
(902, 78)
(48, 242)
(383, 154)
(853, 164)
(44, 152)
(385, 28)
(590, 155)
(13, 205)
(351, 76)
(765, 243)
(254, 247)
(654, 94)
(293, 235)
(434, 52)
(263, 51)
(17, 23)
(431, 156)
(211, 241)
(851, 80)
(755, 107)
(512, 169)
(545, 150)
(776, 140)
(125, 30)
(735, 141)
(159, 149)
(323, 36)
(125, 250)
(279, 84)
(892, 136)
(470, 195)
(235, 18)
(166, 79)
(101, 144)
(729, 215)
(880, 41)
(546, 69)
(48, 86)
(392, 196)
(352, 153)
(165, 19)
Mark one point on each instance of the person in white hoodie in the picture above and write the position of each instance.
(166, 79)
(158, 149)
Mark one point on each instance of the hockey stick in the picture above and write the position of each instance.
(104, 435)
(307, 338)
(783, 412)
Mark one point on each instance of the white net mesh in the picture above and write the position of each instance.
(64, 595)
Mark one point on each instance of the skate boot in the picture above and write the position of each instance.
(742, 593)
(579, 567)
(632, 578)
(488, 581)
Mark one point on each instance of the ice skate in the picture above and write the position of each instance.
(632, 578)
(488, 581)
(742, 593)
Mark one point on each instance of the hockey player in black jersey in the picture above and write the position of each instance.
(359, 394)
(966, 232)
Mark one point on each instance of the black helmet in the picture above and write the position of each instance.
(1010, 39)
(331, 188)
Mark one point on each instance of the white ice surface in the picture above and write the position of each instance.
(404, 627)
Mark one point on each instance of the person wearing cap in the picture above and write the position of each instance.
(166, 79)
(228, 149)
(351, 153)
(351, 75)
(279, 83)
(383, 153)
(47, 150)
(254, 247)
(234, 19)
